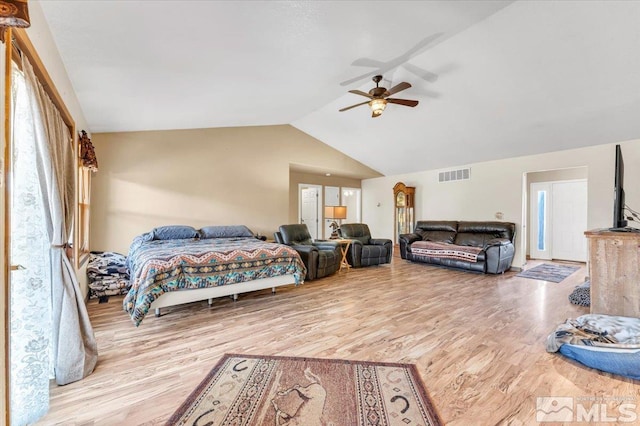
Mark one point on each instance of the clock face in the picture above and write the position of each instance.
(400, 199)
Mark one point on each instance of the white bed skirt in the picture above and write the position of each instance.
(194, 295)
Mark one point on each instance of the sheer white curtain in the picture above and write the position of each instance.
(74, 349)
(51, 336)
(30, 299)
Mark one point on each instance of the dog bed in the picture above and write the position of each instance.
(604, 342)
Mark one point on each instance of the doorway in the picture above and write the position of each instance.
(310, 209)
(558, 219)
(351, 198)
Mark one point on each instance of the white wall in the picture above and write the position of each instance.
(496, 186)
(40, 35)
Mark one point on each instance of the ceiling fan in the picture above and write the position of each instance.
(379, 97)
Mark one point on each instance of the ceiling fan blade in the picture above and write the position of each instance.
(422, 44)
(405, 102)
(367, 62)
(398, 87)
(422, 73)
(361, 93)
(353, 106)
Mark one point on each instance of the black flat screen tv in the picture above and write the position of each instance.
(619, 219)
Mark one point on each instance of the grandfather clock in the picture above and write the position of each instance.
(404, 202)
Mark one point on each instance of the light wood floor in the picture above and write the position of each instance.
(478, 342)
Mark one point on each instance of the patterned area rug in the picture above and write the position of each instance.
(549, 272)
(278, 391)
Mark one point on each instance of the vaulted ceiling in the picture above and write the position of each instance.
(495, 79)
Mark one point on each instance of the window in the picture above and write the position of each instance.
(542, 196)
(87, 164)
(84, 204)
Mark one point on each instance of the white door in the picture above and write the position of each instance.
(309, 205)
(569, 218)
(539, 218)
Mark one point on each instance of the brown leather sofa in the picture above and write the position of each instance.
(492, 244)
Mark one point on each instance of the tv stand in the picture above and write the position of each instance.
(614, 270)
(625, 229)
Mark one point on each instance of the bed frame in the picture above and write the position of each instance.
(195, 295)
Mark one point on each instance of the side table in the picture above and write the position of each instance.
(344, 247)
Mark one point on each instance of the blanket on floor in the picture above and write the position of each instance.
(597, 330)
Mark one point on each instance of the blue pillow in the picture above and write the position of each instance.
(174, 232)
(229, 231)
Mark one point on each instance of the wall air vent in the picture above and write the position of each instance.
(451, 175)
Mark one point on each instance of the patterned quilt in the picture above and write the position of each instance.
(160, 266)
(444, 250)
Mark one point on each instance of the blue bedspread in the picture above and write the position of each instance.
(160, 266)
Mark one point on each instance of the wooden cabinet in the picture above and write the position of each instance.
(404, 203)
(614, 270)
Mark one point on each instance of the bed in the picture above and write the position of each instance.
(177, 264)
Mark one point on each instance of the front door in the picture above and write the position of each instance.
(558, 219)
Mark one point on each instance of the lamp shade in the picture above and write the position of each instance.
(377, 106)
(335, 212)
(14, 13)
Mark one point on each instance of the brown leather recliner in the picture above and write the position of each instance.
(364, 250)
(321, 258)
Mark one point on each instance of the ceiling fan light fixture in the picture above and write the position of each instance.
(379, 97)
(377, 106)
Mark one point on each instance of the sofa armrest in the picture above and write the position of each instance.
(326, 245)
(309, 256)
(497, 242)
(499, 254)
(379, 241)
(410, 238)
(384, 242)
(405, 241)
